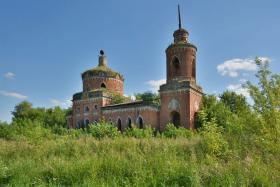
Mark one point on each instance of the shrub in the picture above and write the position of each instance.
(213, 142)
(4, 176)
(57, 129)
(102, 130)
(5, 131)
(25, 128)
(171, 131)
(135, 132)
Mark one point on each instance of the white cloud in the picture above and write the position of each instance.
(264, 59)
(13, 94)
(239, 89)
(63, 104)
(9, 75)
(234, 66)
(154, 84)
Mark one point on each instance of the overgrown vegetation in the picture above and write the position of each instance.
(149, 97)
(237, 144)
(118, 99)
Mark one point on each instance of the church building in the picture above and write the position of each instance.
(180, 96)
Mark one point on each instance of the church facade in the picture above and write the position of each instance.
(180, 96)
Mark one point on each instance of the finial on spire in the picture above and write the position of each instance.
(102, 59)
(101, 52)
(179, 15)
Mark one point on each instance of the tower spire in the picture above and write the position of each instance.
(179, 15)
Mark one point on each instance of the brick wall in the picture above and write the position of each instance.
(188, 104)
(186, 55)
(112, 84)
(148, 114)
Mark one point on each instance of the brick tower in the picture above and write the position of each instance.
(180, 96)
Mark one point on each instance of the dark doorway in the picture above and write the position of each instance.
(140, 123)
(175, 118)
(129, 123)
(119, 123)
(103, 85)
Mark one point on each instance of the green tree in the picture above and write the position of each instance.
(55, 117)
(266, 97)
(51, 117)
(118, 98)
(24, 110)
(148, 97)
(236, 103)
(213, 108)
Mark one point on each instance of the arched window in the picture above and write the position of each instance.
(86, 122)
(103, 85)
(176, 65)
(129, 125)
(110, 121)
(78, 124)
(175, 118)
(119, 124)
(140, 123)
(86, 109)
(193, 68)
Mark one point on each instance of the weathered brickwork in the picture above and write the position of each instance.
(112, 84)
(186, 55)
(180, 96)
(132, 115)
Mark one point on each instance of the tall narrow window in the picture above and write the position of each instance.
(86, 122)
(194, 68)
(119, 123)
(176, 66)
(78, 124)
(86, 109)
(129, 125)
(140, 123)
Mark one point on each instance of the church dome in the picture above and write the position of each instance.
(102, 77)
(102, 71)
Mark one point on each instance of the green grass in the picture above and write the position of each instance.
(125, 161)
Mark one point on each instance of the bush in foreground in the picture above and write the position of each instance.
(173, 132)
(102, 130)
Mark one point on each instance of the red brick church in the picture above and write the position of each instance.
(180, 96)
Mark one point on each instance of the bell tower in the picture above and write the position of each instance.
(180, 96)
(181, 56)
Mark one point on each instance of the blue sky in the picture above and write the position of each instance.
(46, 45)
